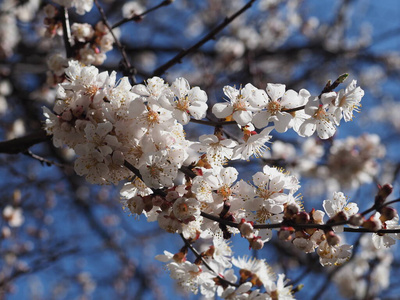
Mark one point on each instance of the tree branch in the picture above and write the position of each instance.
(177, 59)
(22, 144)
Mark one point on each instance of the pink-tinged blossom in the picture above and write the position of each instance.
(255, 145)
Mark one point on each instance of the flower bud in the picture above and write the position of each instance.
(373, 224)
(246, 228)
(291, 210)
(387, 213)
(318, 216)
(256, 243)
(302, 218)
(285, 233)
(356, 220)
(332, 238)
(383, 193)
(339, 217)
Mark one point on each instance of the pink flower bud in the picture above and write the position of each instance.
(356, 220)
(246, 229)
(332, 238)
(256, 243)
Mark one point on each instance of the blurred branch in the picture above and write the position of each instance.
(40, 263)
(139, 17)
(22, 144)
(211, 35)
(66, 33)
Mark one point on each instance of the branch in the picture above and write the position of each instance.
(129, 69)
(211, 35)
(66, 33)
(22, 144)
(299, 226)
(139, 17)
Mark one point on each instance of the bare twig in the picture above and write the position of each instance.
(211, 35)
(129, 70)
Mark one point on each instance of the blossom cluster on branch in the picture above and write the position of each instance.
(136, 133)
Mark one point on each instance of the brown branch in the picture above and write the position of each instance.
(211, 35)
(213, 123)
(129, 70)
(298, 226)
(22, 144)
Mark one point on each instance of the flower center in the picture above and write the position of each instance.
(183, 104)
(274, 107)
(320, 114)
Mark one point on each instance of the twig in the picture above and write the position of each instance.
(129, 69)
(213, 123)
(43, 160)
(22, 144)
(66, 33)
(139, 17)
(177, 59)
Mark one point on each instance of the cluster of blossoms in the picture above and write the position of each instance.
(120, 131)
(352, 161)
(13, 12)
(81, 6)
(89, 44)
(370, 262)
(289, 109)
(215, 274)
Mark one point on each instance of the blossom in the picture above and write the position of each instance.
(254, 145)
(238, 106)
(158, 171)
(258, 272)
(388, 239)
(13, 216)
(347, 101)
(320, 119)
(217, 150)
(187, 102)
(279, 290)
(339, 204)
(273, 105)
(270, 197)
(333, 255)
